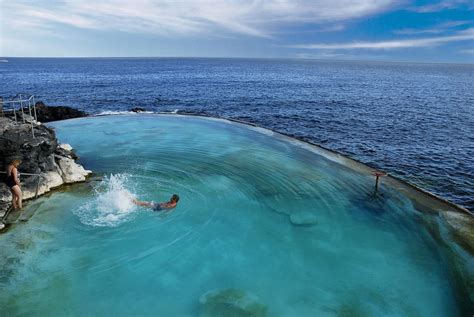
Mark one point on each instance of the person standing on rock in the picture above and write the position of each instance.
(13, 182)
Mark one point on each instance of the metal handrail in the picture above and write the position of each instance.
(15, 101)
(39, 176)
(20, 99)
(29, 174)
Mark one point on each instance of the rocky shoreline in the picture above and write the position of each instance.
(54, 163)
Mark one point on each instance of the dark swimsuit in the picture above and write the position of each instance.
(10, 181)
(156, 207)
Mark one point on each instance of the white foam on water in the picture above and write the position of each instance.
(111, 112)
(111, 204)
(175, 111)
(107, 113)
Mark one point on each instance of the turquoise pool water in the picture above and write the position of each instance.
(257, 212)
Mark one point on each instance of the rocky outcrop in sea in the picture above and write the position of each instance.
(45, 113)
(42, 154)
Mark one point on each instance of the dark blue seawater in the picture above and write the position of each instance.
(415, 121)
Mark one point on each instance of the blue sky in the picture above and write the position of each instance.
(428, 31)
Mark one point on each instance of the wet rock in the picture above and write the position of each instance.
(231, 303)
(303, 218)
(462, 227)
(137, 109)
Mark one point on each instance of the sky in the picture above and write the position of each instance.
(388, 30)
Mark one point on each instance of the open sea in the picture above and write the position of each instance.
(415, 121)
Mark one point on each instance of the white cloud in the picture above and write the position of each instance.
(466, 35)
(250, 17)
(442, 5)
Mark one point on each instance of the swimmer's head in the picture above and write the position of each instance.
(174, 198)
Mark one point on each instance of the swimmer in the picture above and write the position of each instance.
(165, 206)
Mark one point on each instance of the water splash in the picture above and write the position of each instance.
(111, 204)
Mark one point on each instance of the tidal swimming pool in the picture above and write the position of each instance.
(258, 212)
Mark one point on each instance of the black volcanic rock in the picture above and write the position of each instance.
(137, 109)
(46, 113)
(16, 141)
(40, 154)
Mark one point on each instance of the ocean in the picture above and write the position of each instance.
(413, 120)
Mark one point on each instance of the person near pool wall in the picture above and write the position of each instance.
(13, 183)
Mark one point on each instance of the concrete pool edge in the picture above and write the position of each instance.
(411, 190)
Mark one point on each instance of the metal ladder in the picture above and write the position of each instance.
(21, 100)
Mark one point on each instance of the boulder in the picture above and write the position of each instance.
(66, 150)
(66, 147)
(52, 179)
(231, 303)
(46, 113)
(303, 218)
(71, 171)
(137, 109)
(47, 181)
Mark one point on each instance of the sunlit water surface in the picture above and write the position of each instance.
(90, 251)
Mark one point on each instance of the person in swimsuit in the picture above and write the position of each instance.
(165, 206)
(13, 182)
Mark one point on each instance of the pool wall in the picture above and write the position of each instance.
(416, 194)
(422, 200)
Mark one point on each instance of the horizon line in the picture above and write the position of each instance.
(234, 57)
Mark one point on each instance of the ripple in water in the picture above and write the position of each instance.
(111, 203)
